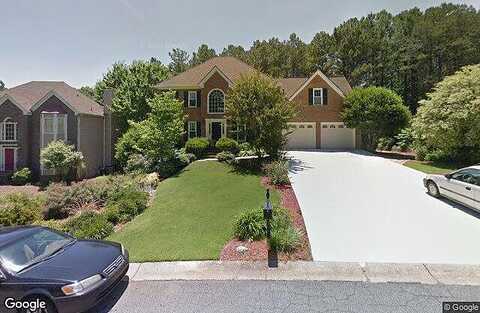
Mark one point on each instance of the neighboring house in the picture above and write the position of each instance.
(36, 113)
(318, 125)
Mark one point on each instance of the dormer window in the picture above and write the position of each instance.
(8, 130)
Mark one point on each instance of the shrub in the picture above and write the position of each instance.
(53, 224)
(61, 157)
(57, 202)
(183, 158)
(284, 239)
(129, 201)
(404, 140)
(112, 215)
(385, 143)
(89, 225)
(250, 224)
(225, 156)
(137, 163)
(277, 172)
(197, 146)
(22, 177)
(227, 144)
(20, 209)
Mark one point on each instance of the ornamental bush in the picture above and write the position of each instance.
(277, 172)
(225, 156)
(89, 225)
(128, 201)
(22, 177)
(62, 158)
(227, 145)
(197, 146)
(249, 225)
(20, 209)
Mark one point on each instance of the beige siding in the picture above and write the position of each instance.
(91, 137)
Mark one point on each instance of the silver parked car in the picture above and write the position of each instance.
(461, 186)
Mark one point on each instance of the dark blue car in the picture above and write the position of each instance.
(42, 270)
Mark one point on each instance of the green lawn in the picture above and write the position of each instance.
(432, 167)
(191, 217)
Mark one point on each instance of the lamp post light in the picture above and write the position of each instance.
(267, 212)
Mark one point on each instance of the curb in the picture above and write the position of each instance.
(431, 274)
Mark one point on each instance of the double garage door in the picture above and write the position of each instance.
(333, 135)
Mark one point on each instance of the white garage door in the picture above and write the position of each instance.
(302, 136)
(337, 136)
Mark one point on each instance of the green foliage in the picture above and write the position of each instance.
(89, 92)
(22, 177)
(156, 137)
(61, 157)
(20, 209)
(227, 144)
(137, 163)
(197, 146)
(385, 143)
(447, 125)
(203, 54)
(180, 61)
(128, 201)
(89, 225)
(377, 112)
(258, 102)
(134, 86)
(225, 156)
(249, 225)
(53, 224)
(404, 139)
(284, 239)
(277, 172)
(57, 202)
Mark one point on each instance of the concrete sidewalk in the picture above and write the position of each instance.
(314, 271)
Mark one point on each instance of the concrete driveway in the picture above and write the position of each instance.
(362, 208)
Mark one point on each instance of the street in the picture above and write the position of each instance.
(282, 296)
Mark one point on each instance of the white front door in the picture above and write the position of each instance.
(335, 135)
(301, 136)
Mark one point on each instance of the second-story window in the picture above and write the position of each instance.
(192, 99)
(317, 96)
(8, 130)
(216, 101)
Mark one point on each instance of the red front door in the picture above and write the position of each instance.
(9, 160)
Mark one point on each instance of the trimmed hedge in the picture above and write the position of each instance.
(197, 146)
(227, 145)
(20, 209)
(89, 225)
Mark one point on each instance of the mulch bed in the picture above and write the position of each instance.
(258, 250)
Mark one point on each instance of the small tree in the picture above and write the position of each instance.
(258, 103)
(62, 158)
(447, 124)
(157, 136)
(377, 112)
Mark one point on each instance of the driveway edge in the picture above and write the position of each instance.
(301, 270)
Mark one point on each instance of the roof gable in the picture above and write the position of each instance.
(5, 97)
(322, 76)
(31, 95)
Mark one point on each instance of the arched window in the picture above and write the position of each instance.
(8, 130)
(216, 101)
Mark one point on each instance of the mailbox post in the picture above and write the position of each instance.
(267, 212)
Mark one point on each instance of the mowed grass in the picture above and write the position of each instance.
(192, 214)
(432, 167)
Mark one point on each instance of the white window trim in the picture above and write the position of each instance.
(208, 126)
(3, 130)
(192, 95)
(191, 129)
(55, 134)
(208, 101)
(313, 96)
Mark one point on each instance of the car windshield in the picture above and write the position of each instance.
(32, 249)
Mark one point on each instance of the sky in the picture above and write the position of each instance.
(77, 41)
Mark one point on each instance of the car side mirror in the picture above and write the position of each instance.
(448, 176)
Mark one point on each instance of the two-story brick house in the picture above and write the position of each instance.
(320, 98)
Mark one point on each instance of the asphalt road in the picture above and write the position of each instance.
(282, 296)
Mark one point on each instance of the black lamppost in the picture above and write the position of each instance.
(267, 211)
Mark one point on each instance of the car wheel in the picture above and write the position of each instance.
(432, 189)
(49, 309)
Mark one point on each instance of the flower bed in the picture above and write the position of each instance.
(258, 250)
